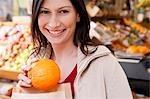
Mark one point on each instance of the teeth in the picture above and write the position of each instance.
(55, 32)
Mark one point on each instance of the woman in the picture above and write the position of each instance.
(60, 31)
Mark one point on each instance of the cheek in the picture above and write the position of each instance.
(41, 23)
(71, 23)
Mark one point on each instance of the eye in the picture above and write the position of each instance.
(63, 11)
(44, 12)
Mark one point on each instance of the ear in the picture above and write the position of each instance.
(78, 18)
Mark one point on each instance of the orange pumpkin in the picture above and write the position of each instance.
(45, 74)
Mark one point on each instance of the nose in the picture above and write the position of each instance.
(53, 22)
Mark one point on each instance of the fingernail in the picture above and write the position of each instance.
(23, 84)
(26, 79)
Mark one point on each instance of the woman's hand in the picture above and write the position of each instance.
(24, 81)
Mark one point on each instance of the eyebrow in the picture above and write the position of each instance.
(58, 8)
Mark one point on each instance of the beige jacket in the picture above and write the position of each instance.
(99, 76)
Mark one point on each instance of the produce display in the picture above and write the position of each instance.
(138, 50)
(143, 3)
(45, 74)
(136, 26)
(16, 44)
(126, 28)
(125, 37)
(133, 34)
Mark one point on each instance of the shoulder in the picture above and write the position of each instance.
(99, 51)
(99, 58)
(104, 57)
(102, 50)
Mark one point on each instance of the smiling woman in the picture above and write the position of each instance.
(60, 31)
(52, 21)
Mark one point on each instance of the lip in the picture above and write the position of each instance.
(56, 33)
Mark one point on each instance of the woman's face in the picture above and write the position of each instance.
(57, 21)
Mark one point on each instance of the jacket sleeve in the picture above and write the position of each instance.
(116, 82)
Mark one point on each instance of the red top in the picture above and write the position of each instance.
(71, 79)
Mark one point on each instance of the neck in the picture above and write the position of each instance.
(66, 57)
(62, 52)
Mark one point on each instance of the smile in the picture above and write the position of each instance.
(55, 33)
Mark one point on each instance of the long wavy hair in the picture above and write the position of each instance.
(81, 32)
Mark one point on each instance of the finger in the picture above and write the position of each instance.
(29, 65)
(24, 78)
(26, 68)
(24, 84)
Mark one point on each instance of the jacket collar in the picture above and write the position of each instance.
(100, 52)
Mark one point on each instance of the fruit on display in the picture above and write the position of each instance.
(132, 50)
(143, 3)
(124, 34)
(16, 44)
(143, 49)
(45, 74)
(138, 49)
(136, 26)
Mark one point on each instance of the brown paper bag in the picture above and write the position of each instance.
(62, 91)
(4, 97)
